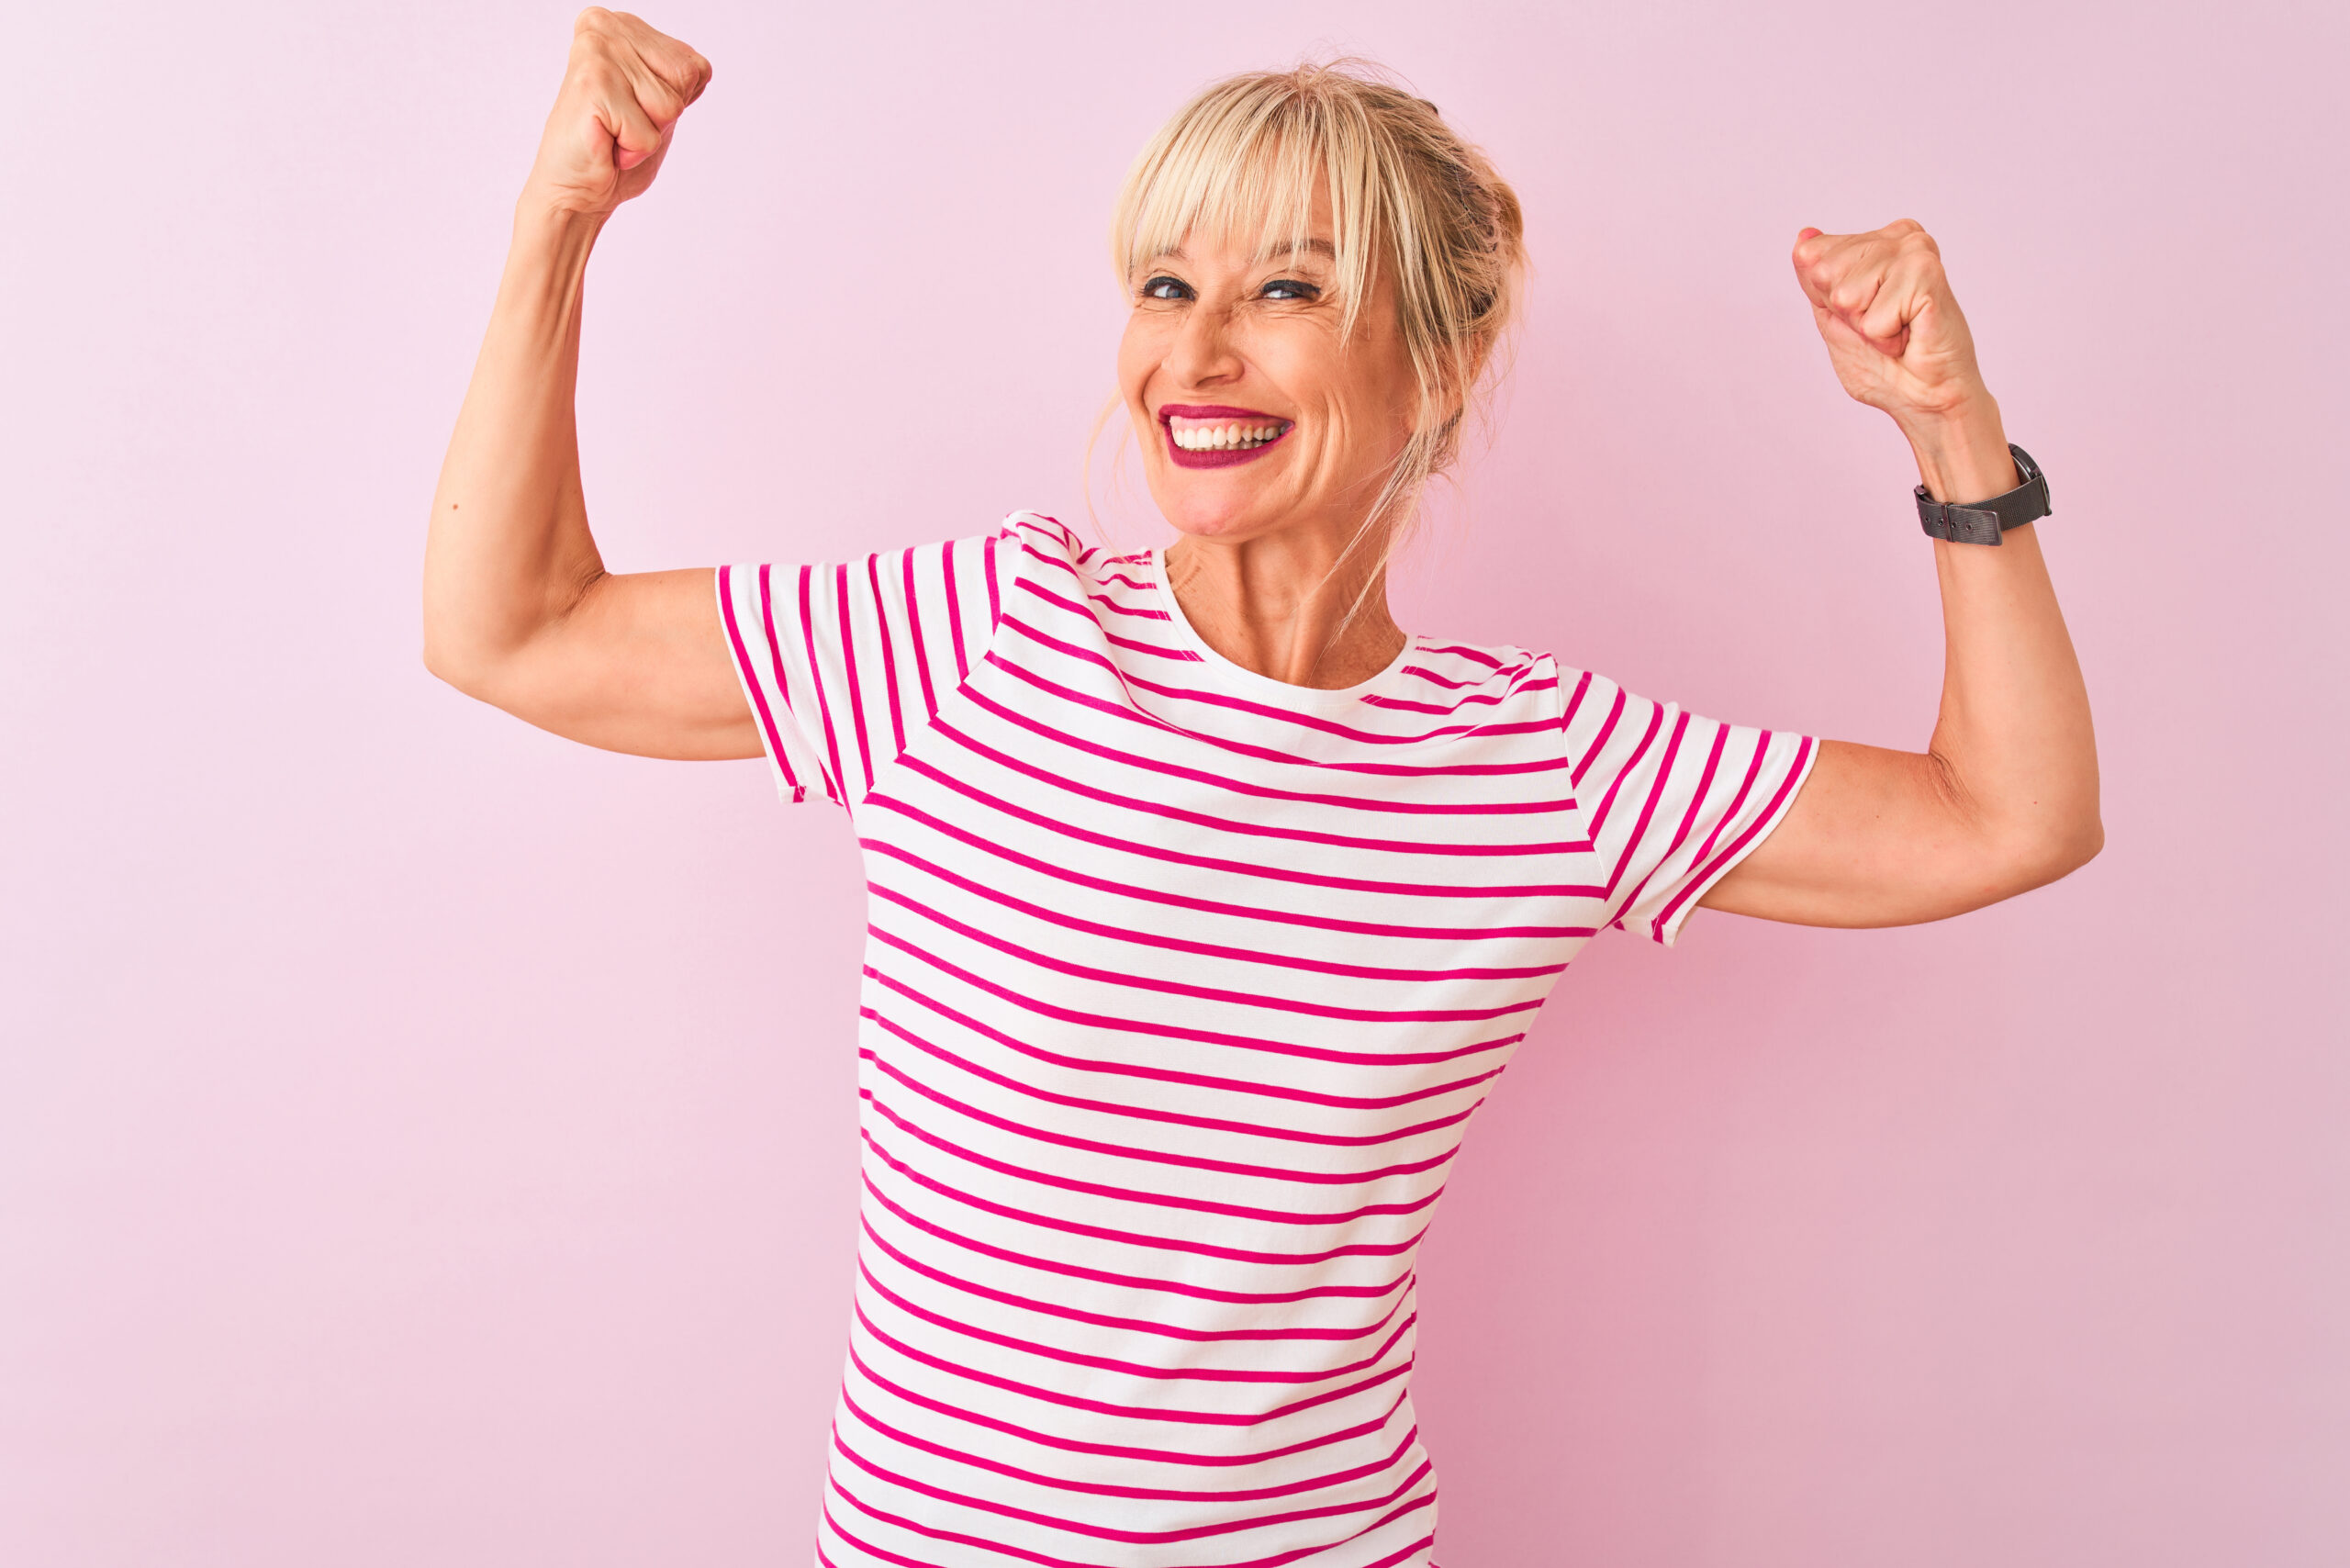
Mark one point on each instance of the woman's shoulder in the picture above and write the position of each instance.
(1466, 663)
(1047, 535)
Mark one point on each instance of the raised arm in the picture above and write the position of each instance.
(2005, 797)
(518, 610)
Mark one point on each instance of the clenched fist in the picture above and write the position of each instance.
(623, 92)
(1893, 329)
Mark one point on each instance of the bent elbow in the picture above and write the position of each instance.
(436, 661)
(2052, 853)
(441, 662)
(454, 662)
(2089, 844)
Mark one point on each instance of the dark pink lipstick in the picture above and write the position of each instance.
(1218, 413)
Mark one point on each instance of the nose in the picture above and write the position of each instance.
(1202, 354)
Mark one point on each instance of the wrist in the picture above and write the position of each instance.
(548, 234)
(1962, 452)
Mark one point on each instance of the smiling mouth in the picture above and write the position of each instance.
(1218, 437)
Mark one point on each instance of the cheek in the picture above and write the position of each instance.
(1383, 407)
(1140, 351)
(1344, 387)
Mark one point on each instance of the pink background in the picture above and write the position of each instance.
(424, 1140)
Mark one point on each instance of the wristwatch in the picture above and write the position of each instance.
(1982, 523)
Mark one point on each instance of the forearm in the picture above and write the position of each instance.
(509, 550)
(2012, 744)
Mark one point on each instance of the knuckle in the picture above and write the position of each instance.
(676, 66)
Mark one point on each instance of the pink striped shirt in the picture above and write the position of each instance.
(1180, 986)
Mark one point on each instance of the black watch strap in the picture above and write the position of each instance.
(1982, 523)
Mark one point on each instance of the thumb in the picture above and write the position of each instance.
(635, 138)
(626, 155)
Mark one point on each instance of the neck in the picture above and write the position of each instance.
(1279, 606)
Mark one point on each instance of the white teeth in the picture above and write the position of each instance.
(1222, 438)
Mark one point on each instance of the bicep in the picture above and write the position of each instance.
(639, 664)
(1874, 837)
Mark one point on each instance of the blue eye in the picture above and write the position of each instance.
(1165, 288)
(1291, 288)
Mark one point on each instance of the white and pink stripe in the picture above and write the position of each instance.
(1180, 986)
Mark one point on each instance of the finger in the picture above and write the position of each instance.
(1814, 269)
(1838, 333)
(1915, 281)
(635, 137)
(1886, 320)
(683, 70)
(1824, 261)
(674, 70)
(1856, 284)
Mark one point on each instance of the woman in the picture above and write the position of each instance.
(1207, 904)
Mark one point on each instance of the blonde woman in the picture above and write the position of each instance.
(1206, 902)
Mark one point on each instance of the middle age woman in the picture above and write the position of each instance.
(1206, 903)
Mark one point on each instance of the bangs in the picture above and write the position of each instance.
(1242, 162)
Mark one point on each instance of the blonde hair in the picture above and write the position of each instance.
(1409, 197)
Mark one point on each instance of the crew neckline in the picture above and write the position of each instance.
(1287, 691)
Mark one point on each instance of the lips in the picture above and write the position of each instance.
(1218, 435)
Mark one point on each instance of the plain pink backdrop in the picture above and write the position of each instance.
(424, 1140)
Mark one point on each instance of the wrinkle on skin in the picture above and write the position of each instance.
(1263, 571)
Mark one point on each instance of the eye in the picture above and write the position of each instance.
(1161, 286)
(1291, 288)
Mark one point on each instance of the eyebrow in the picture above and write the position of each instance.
(1290, 247)
(1271, 253)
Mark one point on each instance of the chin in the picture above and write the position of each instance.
(1211, 510)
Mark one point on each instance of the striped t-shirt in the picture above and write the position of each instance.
(1180, 986)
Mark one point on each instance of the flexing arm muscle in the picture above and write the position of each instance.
(517, 608)
(2006, 797)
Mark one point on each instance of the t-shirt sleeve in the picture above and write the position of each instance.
(1670, 801)
(843, 664)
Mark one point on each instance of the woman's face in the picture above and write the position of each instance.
(1253, 416)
